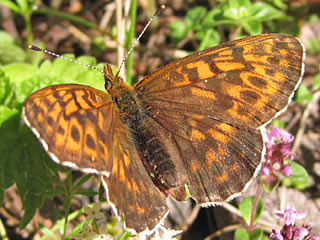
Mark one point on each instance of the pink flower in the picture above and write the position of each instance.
(278, 150)
(289, 230)
(290, 215)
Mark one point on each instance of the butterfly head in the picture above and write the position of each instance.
(110, 79)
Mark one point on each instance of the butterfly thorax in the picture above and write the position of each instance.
(135, 116)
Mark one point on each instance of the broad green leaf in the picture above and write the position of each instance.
(241, 234)
(18, 72)
(268, 188)
(278, 123)
(6, 89)
(11, 5)
(209, 38)
(178, 30)
(316, 82)
(194, 17)
(303, 95)
(6, 113)
(262, 11)
(33, 178)
(253, 27)
(211, 18)
(299, 178)
(8, 145)
(10, 52)
(231, 13)
(245, 208)
(256, 234)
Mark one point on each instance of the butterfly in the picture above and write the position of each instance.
(194, 125)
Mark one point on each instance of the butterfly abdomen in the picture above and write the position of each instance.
(156, 160)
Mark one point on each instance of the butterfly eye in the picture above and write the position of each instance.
(107, 85)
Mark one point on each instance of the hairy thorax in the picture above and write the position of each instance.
(155, 158)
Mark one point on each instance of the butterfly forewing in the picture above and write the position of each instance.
(244, 82)
(72, 121)
(79, 128)
(211, 104)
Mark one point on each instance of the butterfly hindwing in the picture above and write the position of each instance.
(208, 155)
(130, 188)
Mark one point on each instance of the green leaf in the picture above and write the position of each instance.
(69, 181)
(256, 234)
(29, 170)
(11, 5)
(245, 208)
(8, 138)
(313, 45)
(253, 27)
(18, 72)
(269, 187)
(9, 51)
(241, 234)
(280, 4)
(231, 13)
(67, 203)
(316, 82)
(313, 18)
(77, 229)
(209, 38)
(179, 30)
(88, 193)
(24, 5)
(187, 191)
(101, 193)
(48, 232)
(82, 180)
(194, 17)
(299, 178)
(303, 95)
(211, 18)
(239, 3)
(6, 90)
(278, 123)
(6, 113)
(262, 12)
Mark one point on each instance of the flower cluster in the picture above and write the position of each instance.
(290, 231)
(100, 231)
(278, 152)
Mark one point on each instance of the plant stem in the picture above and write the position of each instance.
(133, 16)
(67, 16)
(254, 207)
(27, 19)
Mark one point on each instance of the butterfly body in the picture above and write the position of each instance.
(194, 123)
(135, 116)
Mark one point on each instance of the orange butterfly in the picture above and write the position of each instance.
(193, 124)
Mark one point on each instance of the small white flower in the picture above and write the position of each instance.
(94, 212)
(86, 234)
(168, 234)
(103, 235)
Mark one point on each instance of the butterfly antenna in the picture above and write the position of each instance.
(35, 48)
(162, 7)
